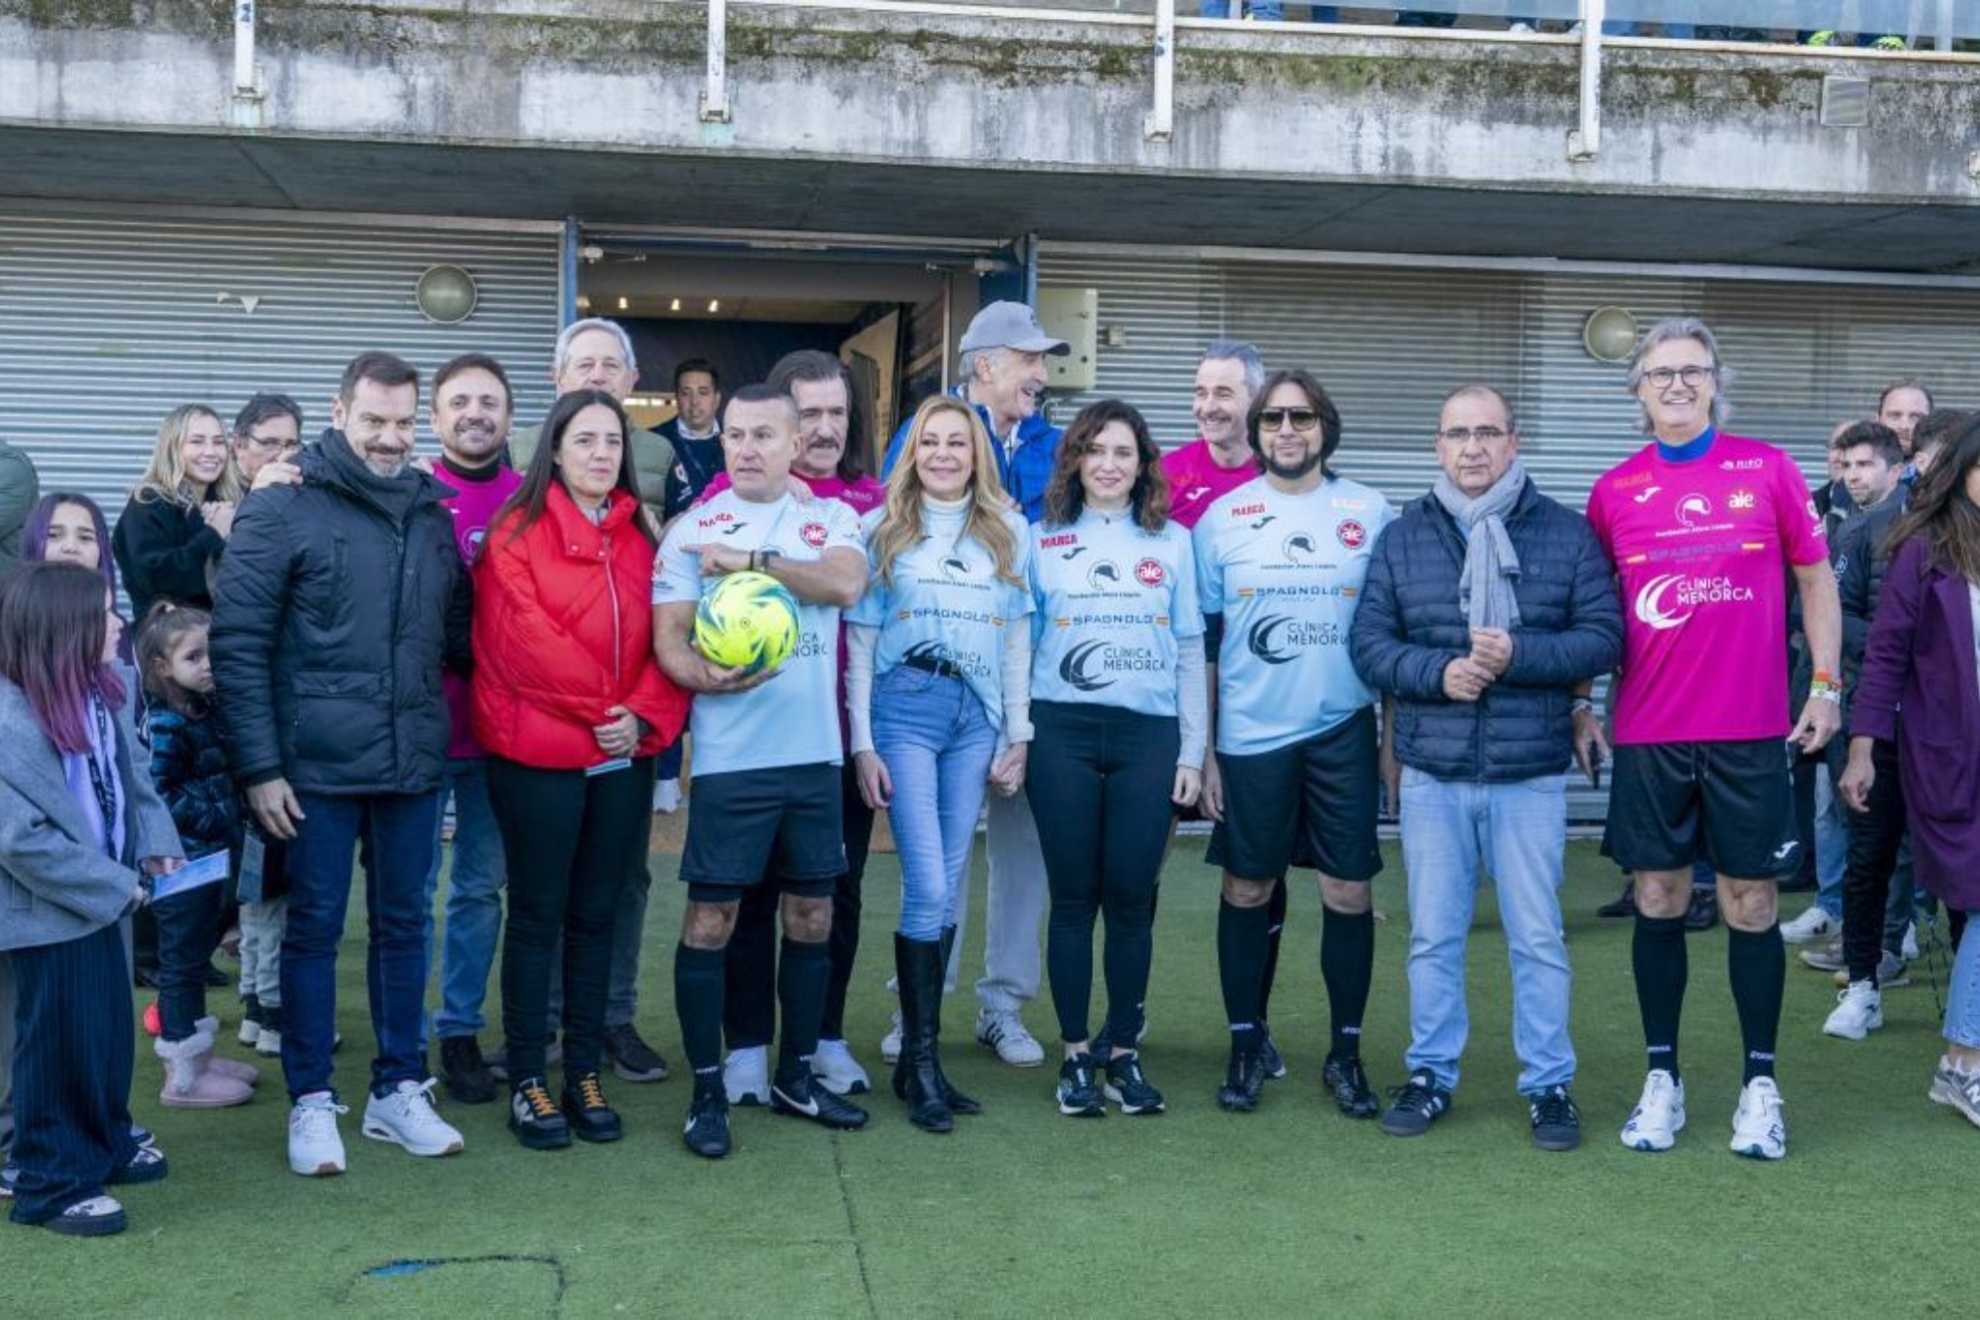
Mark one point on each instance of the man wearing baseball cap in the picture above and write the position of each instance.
(1003, 375)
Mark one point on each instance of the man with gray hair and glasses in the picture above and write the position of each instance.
(597, 354)
(1486, 604)
(1705, 530)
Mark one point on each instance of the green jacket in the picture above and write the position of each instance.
(653, 459)
(20, 490)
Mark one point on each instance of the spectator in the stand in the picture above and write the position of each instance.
(267, 438)
(169, 540)
(19, 489)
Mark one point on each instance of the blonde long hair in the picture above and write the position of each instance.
(900, 528)
(165, 478)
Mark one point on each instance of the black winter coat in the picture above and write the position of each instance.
(1409, 626)
(1861, 559)
(333, 618)
(163, 550)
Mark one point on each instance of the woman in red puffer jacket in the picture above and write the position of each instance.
(572, 709)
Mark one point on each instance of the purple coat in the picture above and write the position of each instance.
(1921, 657)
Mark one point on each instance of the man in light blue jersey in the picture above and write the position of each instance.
(767, 755)
(1280, 565)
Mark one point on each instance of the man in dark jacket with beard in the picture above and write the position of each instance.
(340, 601)
(1486, 604)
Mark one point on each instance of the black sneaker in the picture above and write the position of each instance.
(1414, 1106)
(1703, 914)
(468, 1078)
(216, 978)
(591, 1117)
(707, 1130)
(633, 1060)
(1268, 1054)
(804, 1096)
(1244, 1080)
(1625, 904)
(147, 1165)
(1077, 1093)
(1348, 1084)
(1130, 1090)
(533, 1116)
(1556, 1122)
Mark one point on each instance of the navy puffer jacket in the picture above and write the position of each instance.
(1409, 626)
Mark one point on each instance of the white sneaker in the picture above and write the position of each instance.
(249, 1031)
(1004, 1032)
(1961, 1090)
(315, 1149)
(1759, 1127)
(746, 1076)
(667, 796)
(1814, 924)
(268, 1043)
(1859, 1011)
(838, 1071)
(405, 1117)
(1659, 1114)
(1909, 949)
(890, 1044)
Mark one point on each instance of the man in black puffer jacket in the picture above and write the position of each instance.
(1485, 605)
(339, 602)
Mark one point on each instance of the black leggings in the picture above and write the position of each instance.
(1098, 782)
(749, 1014)
(569, 841)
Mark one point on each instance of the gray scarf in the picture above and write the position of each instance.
(1485, 588)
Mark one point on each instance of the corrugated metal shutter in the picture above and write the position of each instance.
(1389, 342)
(107, 322)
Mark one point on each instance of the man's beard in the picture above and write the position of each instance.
(1292, 471)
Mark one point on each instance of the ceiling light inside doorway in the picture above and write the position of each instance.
(714, 305)
(622, 302)
(675, 306)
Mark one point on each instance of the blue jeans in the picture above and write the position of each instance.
(937, 743)
(397, 829)
(1831, 843)
(1963, 993)
(1517, 832)
(474, 899)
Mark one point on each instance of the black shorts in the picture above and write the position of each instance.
(1313, 803)
(743, 822)
(1731, 803)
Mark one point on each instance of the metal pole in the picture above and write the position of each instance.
(1585, 140)
(715, 97)
(1161, 121)
(572, 251)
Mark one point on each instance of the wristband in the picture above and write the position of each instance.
(1580, 704)
(1824, 678)
(1829, 694)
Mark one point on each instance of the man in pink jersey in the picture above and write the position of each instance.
(1220, 459)
(471, 413)
(1701, 526)
(832, 461)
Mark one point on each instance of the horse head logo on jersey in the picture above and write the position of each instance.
(1299, 546)
(1693, 506)
(1078, 661)
(1104, 574)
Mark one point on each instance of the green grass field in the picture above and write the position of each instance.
(1292, 1210)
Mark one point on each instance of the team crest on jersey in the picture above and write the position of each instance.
(1150, 573)
(812, 534)
(1104, 574)
(1743, 501)
(1351, 534)
(475, 540)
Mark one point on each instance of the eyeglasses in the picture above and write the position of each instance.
(1662, 378)
(1302, 419)
(1464, 435)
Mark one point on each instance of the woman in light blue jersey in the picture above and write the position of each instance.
(938, 695)
(1120, 707)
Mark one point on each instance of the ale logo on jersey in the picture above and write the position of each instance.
(813, 534)
(1150, 573)
(1668, 599)
(1105, 573)
(1351, 534)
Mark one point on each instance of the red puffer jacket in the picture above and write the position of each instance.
(563, 631)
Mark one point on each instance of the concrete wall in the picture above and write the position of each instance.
(1027, 94)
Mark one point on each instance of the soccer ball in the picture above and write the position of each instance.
(747, 620)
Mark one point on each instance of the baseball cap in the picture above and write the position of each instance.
(1011, 325)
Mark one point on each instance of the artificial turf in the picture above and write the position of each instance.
(1291, 1210)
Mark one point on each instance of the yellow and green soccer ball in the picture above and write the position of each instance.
(747, 621)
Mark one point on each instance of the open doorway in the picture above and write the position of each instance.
(887, 320)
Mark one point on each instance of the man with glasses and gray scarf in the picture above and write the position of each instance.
(1486, 604)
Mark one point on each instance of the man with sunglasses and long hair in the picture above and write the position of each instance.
(1280, 565)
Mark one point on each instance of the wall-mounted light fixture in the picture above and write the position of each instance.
(446, 295)
(1609, 334)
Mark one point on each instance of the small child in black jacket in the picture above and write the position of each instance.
(189, 768)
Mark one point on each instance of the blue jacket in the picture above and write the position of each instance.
(1025, 472)
(189, 769)
(1409, 626)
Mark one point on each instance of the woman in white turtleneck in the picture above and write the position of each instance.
(938, 694)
